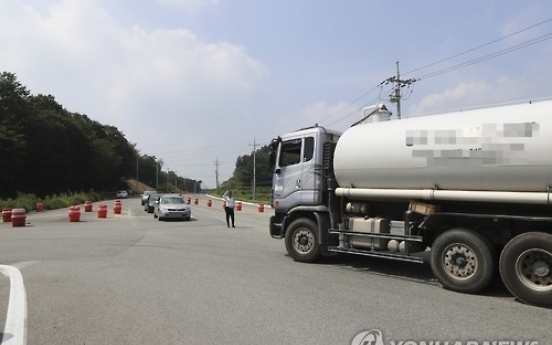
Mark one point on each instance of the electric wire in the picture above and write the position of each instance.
(457, 66)
(488, 56)
(478, 47)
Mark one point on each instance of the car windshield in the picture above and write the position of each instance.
(172, 201)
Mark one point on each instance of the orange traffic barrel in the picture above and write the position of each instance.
(18, 217)
(39, 207)
(196, 201)
(88, 206)
(74, 214)
(6, 214)
(260, 208)
(102, 211)
(117, 207)
(189, 200)
(238, 206)
(209, 203)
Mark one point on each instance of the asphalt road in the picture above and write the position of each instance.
(130, 279)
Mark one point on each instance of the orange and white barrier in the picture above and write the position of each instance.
(102, 211)
(18, 217)
(117, 207)
(74, 214)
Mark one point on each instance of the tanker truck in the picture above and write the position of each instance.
(468, 190)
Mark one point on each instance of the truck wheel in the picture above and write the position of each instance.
(302, 240)
(526, 267)
(463, 260)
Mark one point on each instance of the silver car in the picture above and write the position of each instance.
(152, 198)
(145, 196)
(172, 206)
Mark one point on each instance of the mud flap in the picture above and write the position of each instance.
(323, 222)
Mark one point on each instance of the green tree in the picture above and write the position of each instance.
(149, 170)
(45, 149)
(242, 180)
(14, 109)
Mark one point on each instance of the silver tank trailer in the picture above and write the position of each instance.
(504, 148)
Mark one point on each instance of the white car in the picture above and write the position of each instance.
(122, 194)
(172, 206)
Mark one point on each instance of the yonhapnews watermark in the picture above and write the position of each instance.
(375, 337)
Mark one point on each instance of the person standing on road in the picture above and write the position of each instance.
(229, 208)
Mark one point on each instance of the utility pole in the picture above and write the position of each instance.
(254, 167)
(399, 83)
(137, 159)
(157, 176)
(216, 172)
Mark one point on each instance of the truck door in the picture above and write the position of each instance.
(293, 183)
(287, 176)
(310, 174)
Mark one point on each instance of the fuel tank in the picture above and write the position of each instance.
(502, 148)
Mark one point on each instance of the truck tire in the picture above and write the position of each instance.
(302, 240)
(526, 267)
(463, 260)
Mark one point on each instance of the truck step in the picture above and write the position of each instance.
(384, 255)
(408, 238)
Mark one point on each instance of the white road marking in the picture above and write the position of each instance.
(15, 330)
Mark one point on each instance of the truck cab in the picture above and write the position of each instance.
(299, 182)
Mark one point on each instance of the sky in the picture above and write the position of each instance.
(198, 83)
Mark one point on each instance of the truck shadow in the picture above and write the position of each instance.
(420, 273)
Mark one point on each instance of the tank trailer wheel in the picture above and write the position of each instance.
(302, 240)
(526, 267)
(463, 260)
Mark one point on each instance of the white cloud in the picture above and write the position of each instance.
(323, 114)
(448, 97)
(163, 84)
(316, 112)
(175, 68)
(521, 22)
(478, 93)
(190, 6)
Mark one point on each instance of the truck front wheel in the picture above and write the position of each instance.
(302, 240)
(463, 260)
(526, 267)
